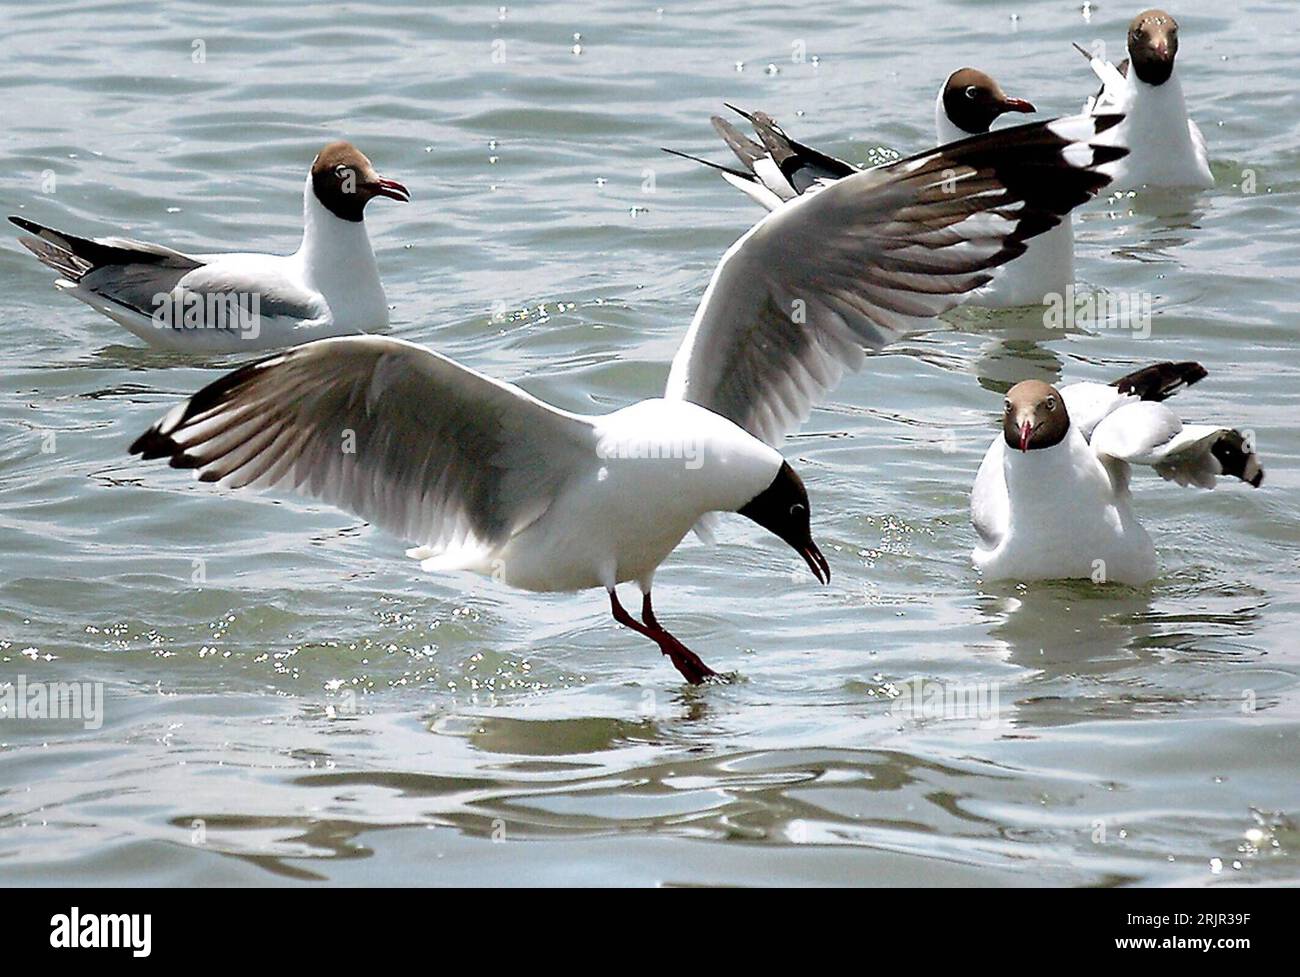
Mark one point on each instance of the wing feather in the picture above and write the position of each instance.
(869, 257)
(440, 455)
(1146, 432)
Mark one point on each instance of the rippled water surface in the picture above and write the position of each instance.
(288, 699)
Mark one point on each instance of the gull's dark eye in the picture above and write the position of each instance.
(1007, 404)
(971, 91)
(1051, 403)
(341, 171)
(797, 509)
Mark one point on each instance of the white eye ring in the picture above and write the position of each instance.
(971, 91)
(1007, 405)
(794, 509)
(1051, 403)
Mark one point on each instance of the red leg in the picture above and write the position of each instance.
(685, 660)
(648, 612)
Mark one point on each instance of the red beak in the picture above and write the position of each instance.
(391, 189)
(816, 562)
(1017, 105)
(1026, 430)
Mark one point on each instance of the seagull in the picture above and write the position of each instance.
(1166, 147)
(482, 476)
(778, 168)
(220, 303)
(1051, 500)
(967, 104)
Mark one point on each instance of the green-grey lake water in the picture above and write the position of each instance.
(288, 699)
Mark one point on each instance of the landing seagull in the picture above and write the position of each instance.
(483, 476)
(778, 168)
(215, 303)
(1051, 499)
(1166, 147)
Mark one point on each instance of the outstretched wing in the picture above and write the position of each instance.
(794, 301)
(408, 439)
(1088, 403)
(1149, 433)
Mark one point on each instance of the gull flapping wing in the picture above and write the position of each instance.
(405, 438)
(794, 301)
(1148, 433)
(1089, 403)
(1126, 423)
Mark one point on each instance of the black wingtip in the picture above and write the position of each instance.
(1107, 120)
(739, 111)
(1159, 381)
(1033, 162)
(1086, 56)
(1101, 155)
(708, 162)
(155, 443)
(1235, 458)
(152, 445)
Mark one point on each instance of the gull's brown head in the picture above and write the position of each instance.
(344, 181)
(1034, 416)
(1152, 44)
(972, 100)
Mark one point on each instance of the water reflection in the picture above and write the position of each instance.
(1109, 652)
(1152, 224)
(1067, 625)
(1010, 358)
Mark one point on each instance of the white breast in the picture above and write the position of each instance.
(1053, 513)
(1165, 147)
(1047, 266)
(659, 465)
(337, 260)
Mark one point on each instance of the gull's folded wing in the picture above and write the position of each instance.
(131, 274)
